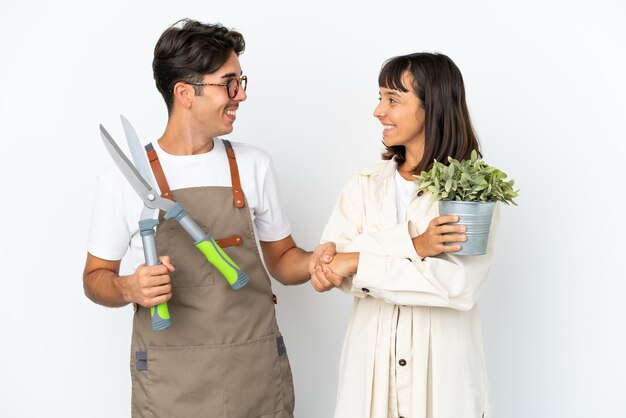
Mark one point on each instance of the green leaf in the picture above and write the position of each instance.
(467, 180)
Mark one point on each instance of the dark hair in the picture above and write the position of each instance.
(189, 52)
(438, 84)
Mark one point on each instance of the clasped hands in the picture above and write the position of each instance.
(328, 268)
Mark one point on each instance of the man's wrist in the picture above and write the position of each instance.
(120, 284)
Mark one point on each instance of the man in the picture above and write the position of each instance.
(224, 355)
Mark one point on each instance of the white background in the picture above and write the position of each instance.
(545, 87)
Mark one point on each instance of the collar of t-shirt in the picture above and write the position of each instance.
(405, 191)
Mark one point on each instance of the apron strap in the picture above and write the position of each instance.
(234, 175)
(155, 164)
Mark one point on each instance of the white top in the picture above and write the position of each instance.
(405, 191)
(414, 346)
(117, 208)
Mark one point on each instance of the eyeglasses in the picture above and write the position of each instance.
(232, 85)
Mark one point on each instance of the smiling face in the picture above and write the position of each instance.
(402, 116)
(213, 111)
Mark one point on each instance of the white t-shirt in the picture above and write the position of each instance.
(117, 208)
(405, 190)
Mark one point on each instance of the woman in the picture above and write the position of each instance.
(413, 347)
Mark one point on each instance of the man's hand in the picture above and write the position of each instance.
(149, 285)
(431, 242)
(322, 254)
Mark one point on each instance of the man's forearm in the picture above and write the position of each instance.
(103, 287)
(292, 267)
(290, 264)
(102, 283)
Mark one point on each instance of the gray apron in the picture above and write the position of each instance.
(223, 355)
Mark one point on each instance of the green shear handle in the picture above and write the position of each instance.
(211, 250)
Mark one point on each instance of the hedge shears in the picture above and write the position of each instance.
(139, 176)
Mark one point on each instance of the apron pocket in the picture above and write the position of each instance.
(184, 382)
(252, 379)
(228, 381)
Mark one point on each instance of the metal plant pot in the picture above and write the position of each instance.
(476, 216)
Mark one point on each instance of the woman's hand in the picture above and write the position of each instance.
(329, 275)
(344, 264)
(431, 242)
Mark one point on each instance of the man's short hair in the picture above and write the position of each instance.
(189, 51)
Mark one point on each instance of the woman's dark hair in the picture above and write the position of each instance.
(438, 84)
(188, 52)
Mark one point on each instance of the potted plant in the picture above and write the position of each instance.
(469, 189)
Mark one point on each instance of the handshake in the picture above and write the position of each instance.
(328, 268)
